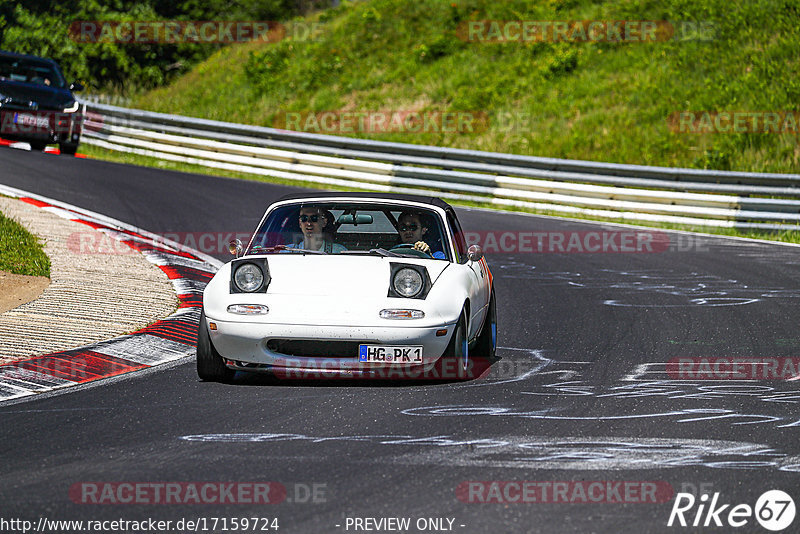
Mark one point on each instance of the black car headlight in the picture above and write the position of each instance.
(409, 281)
(249, 275)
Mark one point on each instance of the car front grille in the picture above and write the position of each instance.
(309, 348)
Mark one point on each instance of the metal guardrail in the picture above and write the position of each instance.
(630, 192)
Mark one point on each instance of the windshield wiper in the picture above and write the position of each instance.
(374, 252)
(283, 248)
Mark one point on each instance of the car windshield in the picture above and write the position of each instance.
(352, 228)
(30, 71)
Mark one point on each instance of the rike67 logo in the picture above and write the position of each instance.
(774, 510)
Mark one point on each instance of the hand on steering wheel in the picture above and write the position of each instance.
(422, 246)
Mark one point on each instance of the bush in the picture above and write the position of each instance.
(41, 27)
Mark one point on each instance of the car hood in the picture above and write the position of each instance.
(338, 275)
(322, 290)
(51, 98)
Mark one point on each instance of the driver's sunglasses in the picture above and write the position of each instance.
(407, 227)
(312, 218)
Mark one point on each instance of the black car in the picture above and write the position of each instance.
(36, 103)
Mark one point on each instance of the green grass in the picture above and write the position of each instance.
(593, 101)
(20, 251)
(786, 236)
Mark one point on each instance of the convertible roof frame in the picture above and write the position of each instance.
(433, 201)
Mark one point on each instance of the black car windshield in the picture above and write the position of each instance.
(30, 71)
(352, 228)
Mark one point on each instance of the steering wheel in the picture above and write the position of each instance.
(408, 248)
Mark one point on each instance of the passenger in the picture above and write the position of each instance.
(412, 230)
(317, 227)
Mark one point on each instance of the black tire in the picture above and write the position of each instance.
(456, 356)
(486, 345)
(209, 363)
(37, 146)
(68, 149)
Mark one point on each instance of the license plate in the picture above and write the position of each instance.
(36, 121)
(389, 354)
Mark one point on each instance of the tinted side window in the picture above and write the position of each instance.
(458, 238)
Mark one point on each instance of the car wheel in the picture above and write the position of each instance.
(486, 346)
(209, 363)
(457, 353)
(37, 146)
(68, 148)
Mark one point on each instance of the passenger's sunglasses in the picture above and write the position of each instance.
(407, 227)
(312, 218)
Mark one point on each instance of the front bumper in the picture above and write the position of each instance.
(247, 345)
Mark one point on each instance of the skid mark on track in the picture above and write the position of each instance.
(640, 288)
(517, 369)
(547, 384)
(533, 452)
(688, 415)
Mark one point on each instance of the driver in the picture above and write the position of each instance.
(315, 223)
(412, 229)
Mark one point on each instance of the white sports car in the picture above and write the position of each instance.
(350, 285)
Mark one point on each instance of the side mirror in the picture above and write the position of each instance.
(235, 247)
(76, 86)
(474, 253)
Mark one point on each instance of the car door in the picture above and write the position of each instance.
(478, 278)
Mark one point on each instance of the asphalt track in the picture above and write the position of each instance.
(580, 391)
